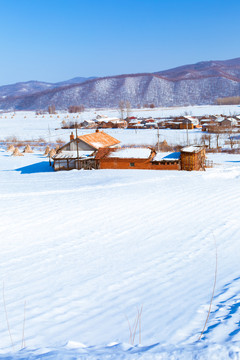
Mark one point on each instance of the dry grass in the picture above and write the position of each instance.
(23, 330)
(11, 148)
(47, 150)
(213, 291)
(136, 325)
(6, 314)
(17, 152)
(8, 324)
(52, 153)
(27, 149)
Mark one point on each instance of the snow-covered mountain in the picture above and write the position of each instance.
(33, 86)
(201, 83)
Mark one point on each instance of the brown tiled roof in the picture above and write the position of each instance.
(99, 140)
(102, 153)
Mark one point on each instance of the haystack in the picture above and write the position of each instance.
(17, 152)
(51, 153)
(27, 149)
(47, 150)
(11, 148)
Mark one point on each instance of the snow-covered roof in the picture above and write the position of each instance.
(138, 125)
(131, 153)
(110, 119)
(231, 120)
(151, 124)
(193, 120)
(167, 156)
(220, 118)
(134, 121)
(192, 149)
(99, 139)
(72, 154)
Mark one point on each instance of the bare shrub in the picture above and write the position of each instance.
(41, 140)
(76, 108)
(59, 141)
(51, 109)
(21, 143)
(121, 109)
(231, 100)
(12, 139)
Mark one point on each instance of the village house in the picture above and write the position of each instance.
(113, 122)
(228, 122)
(181, 123)
(79, 152)
(101, 151)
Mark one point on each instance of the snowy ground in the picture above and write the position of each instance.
(84, 249)
(27, 125)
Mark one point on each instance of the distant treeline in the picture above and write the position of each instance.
(231, 100)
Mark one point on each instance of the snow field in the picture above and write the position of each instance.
(26, 125)
(86, 248)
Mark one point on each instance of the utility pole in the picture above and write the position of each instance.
(187, 134)
(49, 134)
(158, 136)
(77, 147)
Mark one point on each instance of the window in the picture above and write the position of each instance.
(132, 164)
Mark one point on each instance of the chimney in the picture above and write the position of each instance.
(71, 136)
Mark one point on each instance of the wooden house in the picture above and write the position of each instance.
(90, 142)
(79, 153)
(228, 123)
(186, 124)
(193, 158)
(100, 151)
(137, 158)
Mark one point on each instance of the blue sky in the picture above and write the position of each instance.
(55, 40)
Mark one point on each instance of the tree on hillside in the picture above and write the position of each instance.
(121, 109)
(51, 109)
(76, 108)
(128, 109)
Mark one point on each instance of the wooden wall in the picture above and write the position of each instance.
(117, 163)
(193, 161)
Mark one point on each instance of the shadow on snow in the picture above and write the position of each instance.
(40, 167)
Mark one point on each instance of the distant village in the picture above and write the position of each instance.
(213, 123)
